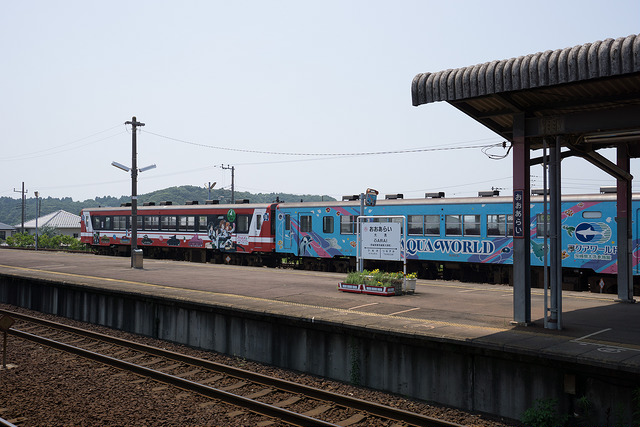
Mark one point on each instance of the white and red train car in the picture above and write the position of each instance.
(236, 234)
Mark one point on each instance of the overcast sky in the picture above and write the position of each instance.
(233, 82)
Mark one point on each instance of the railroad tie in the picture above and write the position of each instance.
(317, 411)
(234, 386)
(354, 419)
(260, 393)
(287, 402)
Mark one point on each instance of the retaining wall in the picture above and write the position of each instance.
(449, 372)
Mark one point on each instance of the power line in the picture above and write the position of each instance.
(328, 155)
(48, 151)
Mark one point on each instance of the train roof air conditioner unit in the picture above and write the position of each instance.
(539, 191)
(438, 195)
(608, 190)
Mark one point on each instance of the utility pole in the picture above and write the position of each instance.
(233, 193)
(23, 193)
(134, 186)
(37, 215)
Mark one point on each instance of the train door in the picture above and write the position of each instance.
(304, 234)
(286, 231)
(255, 230)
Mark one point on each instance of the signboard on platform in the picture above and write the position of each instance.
(382, 240)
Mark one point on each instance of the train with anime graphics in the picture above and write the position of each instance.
(466, 239)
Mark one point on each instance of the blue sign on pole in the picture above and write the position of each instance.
(370, 197)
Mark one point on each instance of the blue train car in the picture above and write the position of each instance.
(458, 238)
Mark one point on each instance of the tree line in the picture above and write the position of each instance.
(11, 209)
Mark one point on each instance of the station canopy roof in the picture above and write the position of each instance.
(588, 93)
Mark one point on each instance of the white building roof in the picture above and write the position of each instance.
(58, 219)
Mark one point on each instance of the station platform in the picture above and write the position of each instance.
(452, 343)
(596, 329)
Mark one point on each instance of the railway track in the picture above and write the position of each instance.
(270, 397)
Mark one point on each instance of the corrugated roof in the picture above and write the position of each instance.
(605, 58)
(58, 219)
(4, 226)
(572, 92)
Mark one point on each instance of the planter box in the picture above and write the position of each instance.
(409, 286)
(369, 289)
(348, 287)
(380, 290)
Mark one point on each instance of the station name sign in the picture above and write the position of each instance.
(518, 214)
(382, 241)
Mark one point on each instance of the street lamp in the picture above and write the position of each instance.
(134, 185)
(210, 187)
(134, 203)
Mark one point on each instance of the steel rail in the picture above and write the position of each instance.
(372, 408)
(250, 404)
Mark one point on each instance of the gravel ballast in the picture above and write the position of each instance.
(48, 387)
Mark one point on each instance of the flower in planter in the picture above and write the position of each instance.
(355, 278)
(375, 278)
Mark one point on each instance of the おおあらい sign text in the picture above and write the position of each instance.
(381, 241)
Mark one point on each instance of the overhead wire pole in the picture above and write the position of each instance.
(134, 186)
(23, 192)
(233, 193)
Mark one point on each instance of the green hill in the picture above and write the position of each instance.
(11, 209)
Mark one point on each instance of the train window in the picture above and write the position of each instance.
(202, 223)
(242, 223)
(108, 223)
(151, 222)
(348, 224)
(327, 224)
(591, 214)
(471, 225)
(258, 222)
(186, 223)
(416, 225)
(396, 221)
(432, 225)
(510, 225)
(119, 222)
(305, 223)
(168, 223)
(139, 222)
(97, 222)
(496, 225)
(287, 222)
(453, 225)
(540, 225)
